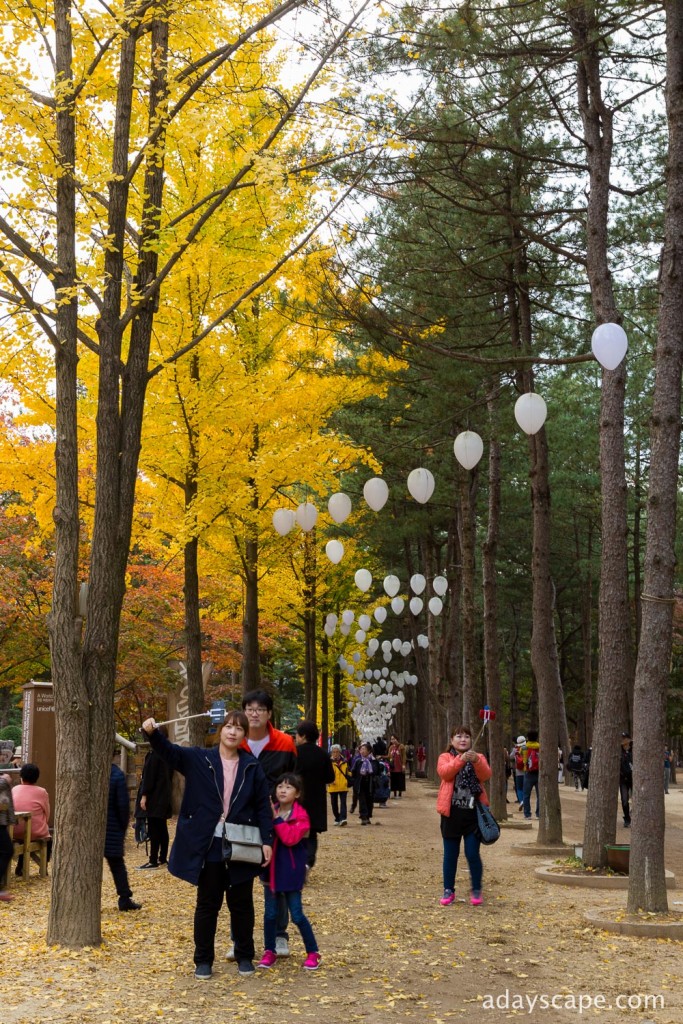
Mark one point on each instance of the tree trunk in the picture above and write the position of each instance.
(251, 656)
(647, 888)
(491, 652)
(615, 661)
(325, 692)
(470, 660)
(310, 639)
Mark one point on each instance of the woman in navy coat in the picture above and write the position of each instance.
(118, 816)
(222, 783)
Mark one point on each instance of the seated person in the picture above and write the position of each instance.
(30, 797)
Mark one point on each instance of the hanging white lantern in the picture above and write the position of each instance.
(339, 507)
(360, 636)
(392, 585)
(416, 605)
(386, 645)
(396, 644)
(440, 585)
(435, 605)
(334, 549)
(468, 448)
(380, 614)
(406, 648)
(397, 605)
(421, 485)
(373, 645)
(530, 412)
(609, 344)
(377, 674)
(376, 493)
(363, 580)
(390, 686)
(306, 516)
(368, 673)
(387, 656)
(417, 583)
(364, 621)
(347, 616)
(283, 520)
(385, 673)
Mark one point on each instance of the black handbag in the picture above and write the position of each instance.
(487, 826)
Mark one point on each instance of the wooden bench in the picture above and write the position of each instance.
(29, 848)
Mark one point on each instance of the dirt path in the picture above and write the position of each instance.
(392, 955)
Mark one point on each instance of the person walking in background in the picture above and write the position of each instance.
(223, 783)
(576, 765)
(667, 769)
(410, 758)
(155, 802)
(626, 777)
(118, 816)
(340, 786)
(28, 796)
(287, 871)
(397, 766)
(314, 768)
(532, 754)
(7, 818)
(364, 770)
(518, 756)
(462, 772)
(421, 757)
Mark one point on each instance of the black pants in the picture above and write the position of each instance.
(625, 794)
(311, 847)
(214, 884)
(158, 840)
(6, 851)
(117, 866)
(365, 801)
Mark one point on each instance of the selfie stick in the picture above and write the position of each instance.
(488, 715)
(215, 714)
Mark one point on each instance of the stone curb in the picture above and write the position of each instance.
(534, 850)
(651, 929)
(589, 881)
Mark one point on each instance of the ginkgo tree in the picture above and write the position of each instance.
(98, 105)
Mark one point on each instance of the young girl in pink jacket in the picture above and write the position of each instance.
(462, 772)
(286, 873)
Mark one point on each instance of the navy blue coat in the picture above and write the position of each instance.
(118, 813)
(202, 806)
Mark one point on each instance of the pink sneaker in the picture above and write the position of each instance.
(476, 899)
(447, 898)
(268, 959)
(312, 962)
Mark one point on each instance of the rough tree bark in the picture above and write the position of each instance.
(615, 658)
(471, 684)
(647, 887)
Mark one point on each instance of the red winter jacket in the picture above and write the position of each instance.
(287, 869)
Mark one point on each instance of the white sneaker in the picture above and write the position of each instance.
(281, 946)
(230, 955)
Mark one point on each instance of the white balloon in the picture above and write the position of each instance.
(421, 485)
(435, 605)
(363, 580)
(349, 670)
(356, 656)
(339, 507)
(344, 629)
(468, 448)
(396, 644)
(347, 617)
(364, 621)
(385, 672)
(359, 675)
(406, 648)
(331, 619)
(373, 645)
(329, 629)
(392, 585)
(440, 585)
(307, 516)
(397, 605)
(283, 520)
(609, 344)
(422, 640)
(368, 673)
(377, 674)
(360, 636)
(341, 661)
(390, 685)
(386, 645)
(376, 493)
(530, 412)
(416, 605)
(387, 656)
(380, 614)
(334, 549)
(417, 583)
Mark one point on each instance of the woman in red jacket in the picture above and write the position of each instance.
(462, 772)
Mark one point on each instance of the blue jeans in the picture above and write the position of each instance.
(530, 782)
(296, 911)
(451, 851)
(519, 788)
